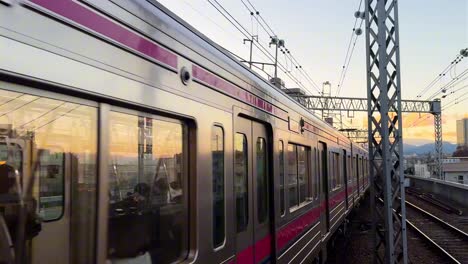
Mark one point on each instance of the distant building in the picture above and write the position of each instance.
(455, 169)
(462, 132)
(421, 170)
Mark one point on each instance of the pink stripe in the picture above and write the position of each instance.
(263, 249)
(350, 189)
(108, 28)
(296, 227)
(214, 81)
(246, 256)
(336, 199)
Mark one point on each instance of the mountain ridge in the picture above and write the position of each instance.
(409, 149)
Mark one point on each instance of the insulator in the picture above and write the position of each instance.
(464, 52)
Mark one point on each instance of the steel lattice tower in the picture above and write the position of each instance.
(385, 131)
(436, 109)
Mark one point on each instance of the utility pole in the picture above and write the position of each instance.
(274, 41)
(385, 132)
(326, 94)
(254, 38)
(278, 44)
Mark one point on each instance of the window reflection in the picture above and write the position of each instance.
(147, 215)
(298, 174)
(303, 172)
(217, 155)
(37, 136)
(281, 173)
(241, 182)
(292, 175)
(262, 181)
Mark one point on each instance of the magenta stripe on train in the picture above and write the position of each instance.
(89, 19)
(214, 81)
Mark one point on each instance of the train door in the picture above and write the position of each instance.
(251, 183)
(356, 170)
(323, 163)
(345, 173)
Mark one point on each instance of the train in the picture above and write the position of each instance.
(130, 137)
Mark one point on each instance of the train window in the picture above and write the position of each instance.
(217, 156)
(303, 173)
(241, 183)
(262, 181)
(50, 129)
(51, 177)
(355, 168)
(292, 176)
(348, 168)
(148, 207)
(298, 174)
(314, 176)
(281, 174)
(337, 171)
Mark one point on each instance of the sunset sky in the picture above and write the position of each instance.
(317, 33)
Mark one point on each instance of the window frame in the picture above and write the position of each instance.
(103, 175)
(281, 156)
(314, 174)
(261, 214)
(337, 171)
(64, 94)
(223, 244)
(246, 175)
(64, 173)
(308, 199)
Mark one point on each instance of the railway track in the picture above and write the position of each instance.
(449, 240)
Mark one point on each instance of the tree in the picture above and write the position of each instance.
(461, 151)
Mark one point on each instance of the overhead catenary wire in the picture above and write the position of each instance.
(452, 83)
(463, 97)
(457, 100)
(340, 84)
(253, 11)
(247, 34)
(454, 62)
(349, 52)
(258, 13)
(448, 90)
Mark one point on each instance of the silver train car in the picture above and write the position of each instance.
(129, 137)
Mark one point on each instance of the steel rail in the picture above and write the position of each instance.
(427, 237)
(441, 223)
(432, 242)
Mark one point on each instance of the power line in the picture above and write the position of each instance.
(456, 101)
(347, 59)
(265, 25)
(345, 68)
(454, 82)
(258, 13)
(450, 104)
(454, 62)
(253, 14)
(246, 34)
